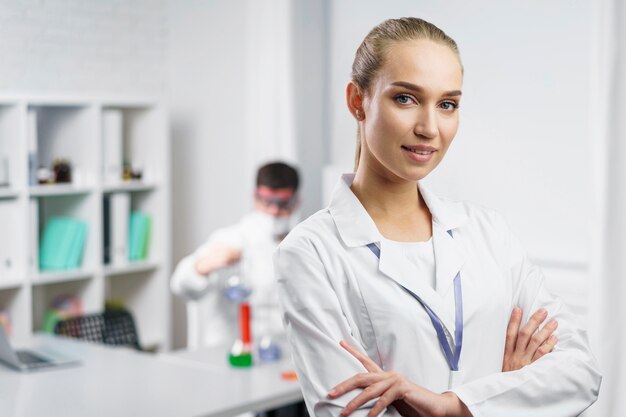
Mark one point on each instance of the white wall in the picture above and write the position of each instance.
(247, 85)
(208, 117)
(311, 41)
(78, 46)
(523, 145)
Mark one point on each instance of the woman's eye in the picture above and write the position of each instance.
(404, 99)
(449, 105)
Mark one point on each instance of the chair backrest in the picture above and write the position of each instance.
(112, 327)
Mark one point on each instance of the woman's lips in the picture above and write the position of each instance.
(419, 153)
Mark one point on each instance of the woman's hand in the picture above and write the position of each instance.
(392, 388)
(525, 346)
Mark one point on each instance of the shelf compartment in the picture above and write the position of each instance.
(13, 243)
(132, 267)
(82, 207)
(128, 228)
(64, 132)
(14, 306)
(12, 167)
(58, 190)
(133, 135)
(87, 291)
(140, 292)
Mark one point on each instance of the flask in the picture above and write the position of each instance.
(241, 352)
(269, 350)
(234, 287)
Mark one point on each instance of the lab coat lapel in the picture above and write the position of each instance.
(450, 254)
(355, 226)
(396, 266)
(449, 258)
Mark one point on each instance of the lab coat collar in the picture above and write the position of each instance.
(357, 228)
(355, 225)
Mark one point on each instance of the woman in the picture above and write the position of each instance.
(419, 289)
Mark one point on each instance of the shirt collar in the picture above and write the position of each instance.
(357, 228)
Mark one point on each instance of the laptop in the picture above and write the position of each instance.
(29, 360)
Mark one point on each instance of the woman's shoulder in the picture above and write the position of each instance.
(315, 231)
(472, 214)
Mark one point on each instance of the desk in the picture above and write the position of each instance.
(257, 388)
(118, 382)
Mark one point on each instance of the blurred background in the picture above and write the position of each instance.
(542, 136)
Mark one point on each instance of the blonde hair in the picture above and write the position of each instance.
(369, 57)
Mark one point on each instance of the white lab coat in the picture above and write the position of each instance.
(216, 315)
(332, 287)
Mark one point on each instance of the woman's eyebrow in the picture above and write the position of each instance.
(419, 89)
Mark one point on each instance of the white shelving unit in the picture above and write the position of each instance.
(71, 128)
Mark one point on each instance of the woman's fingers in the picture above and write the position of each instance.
(512, 330)
(384, 401)
(376, 384)
(529, 329)
(540, 337)
(369, 364)
(357, 381)
(369, 393)
(526, 345)
(545, 348)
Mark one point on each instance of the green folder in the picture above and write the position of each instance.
(55, 243)
(62, 243)
(133, 235)
(138, 236)
(48, 246)
(50, 319)
(75, 254)
(145, 237)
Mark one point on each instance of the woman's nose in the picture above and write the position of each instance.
(426, 123)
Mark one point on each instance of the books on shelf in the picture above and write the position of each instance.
(33, 235)
(62, 243)
(116, 228)
(62, 307)
(139, 236)
(9, 251)
(112, 145)
(33, 160)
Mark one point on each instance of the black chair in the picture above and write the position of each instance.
(112, 327)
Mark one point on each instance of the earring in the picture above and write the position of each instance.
(359, 116)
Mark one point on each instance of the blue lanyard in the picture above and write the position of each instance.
(451, 357)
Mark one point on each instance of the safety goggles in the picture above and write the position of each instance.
(283, 203)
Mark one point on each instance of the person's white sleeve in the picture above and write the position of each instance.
(563, 383)
(186, 281)
(315, 325)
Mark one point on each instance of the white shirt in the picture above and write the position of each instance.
(421, 255)
(333, 288)
(217, 320)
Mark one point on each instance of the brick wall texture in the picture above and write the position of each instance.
(83, 46)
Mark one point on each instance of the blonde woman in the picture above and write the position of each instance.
(397, 301)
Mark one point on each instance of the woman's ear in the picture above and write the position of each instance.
(354, 99)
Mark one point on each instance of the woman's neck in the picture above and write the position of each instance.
(395, 206)
(384, 196)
